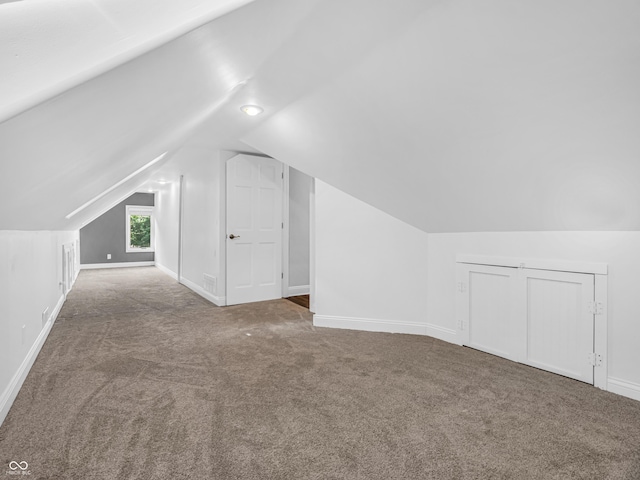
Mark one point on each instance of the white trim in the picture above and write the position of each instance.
(110, 205)
(143, 211)
(285, 230)
(218, 301)
(624, 388)
(462, 306)
(222, 227)
(180, 226)
(535, 263)
(312, 246)
(90, 266)
(167, 271)
(601, 331)
(76, 264)
(11, 392)
(371, 325)
(140, 209)
(442, 333)
(113, 187)
(298, 290)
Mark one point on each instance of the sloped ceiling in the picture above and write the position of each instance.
(49, 46)
(450, 115)
(483, 116)
(64, 152)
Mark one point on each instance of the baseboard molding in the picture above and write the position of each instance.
(624, 388)
(370, 325)
(167, 271)
(92, 266)
(298, 290)
(219, 301)
(442, 333)
(11, 392)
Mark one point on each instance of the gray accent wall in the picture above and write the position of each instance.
(299, 191)
(106, 234)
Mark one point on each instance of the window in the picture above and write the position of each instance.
(139, 229)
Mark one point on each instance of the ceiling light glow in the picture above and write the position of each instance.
(252, 110)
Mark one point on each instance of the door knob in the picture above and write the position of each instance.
(232, 236)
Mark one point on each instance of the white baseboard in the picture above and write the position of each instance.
(624, 388)
(298, 290)
(167, 271)
(11, 392)
(91, 266)
(369, 325)
(442, 333)
(219, 301)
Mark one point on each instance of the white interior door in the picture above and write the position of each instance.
(254, 229)
(559, 323)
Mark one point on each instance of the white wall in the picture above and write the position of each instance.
(204, 221)
(374, 272)
(201, 222)
(371, 269)
(203, 175)
(618, 249)
(166, 213)
(299, 197)
(30, 277)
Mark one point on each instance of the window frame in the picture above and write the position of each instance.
(142, 210)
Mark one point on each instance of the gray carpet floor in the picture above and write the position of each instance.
(142, 379)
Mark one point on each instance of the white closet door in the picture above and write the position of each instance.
(559, 322)
(540, 318)
(489, 315)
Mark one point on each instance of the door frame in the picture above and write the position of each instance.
(286, 245)
(600, 272)
(285, 230)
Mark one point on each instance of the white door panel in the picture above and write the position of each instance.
(254, 229)
(537, 317)
(559, 323)
(492, 325)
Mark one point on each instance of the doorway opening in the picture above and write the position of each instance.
(302, 300)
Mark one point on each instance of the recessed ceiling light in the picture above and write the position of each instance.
(162, 182)
(252, 110)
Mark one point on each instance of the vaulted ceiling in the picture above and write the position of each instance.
(452, 115)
